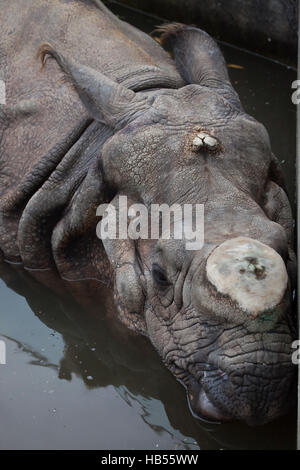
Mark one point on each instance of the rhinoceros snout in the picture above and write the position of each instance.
(224, 395)
(251, 273)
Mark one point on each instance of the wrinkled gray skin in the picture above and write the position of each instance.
(112, 114)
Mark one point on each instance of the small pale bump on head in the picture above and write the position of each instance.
(197, 143)
(204, 140)
(210, 141)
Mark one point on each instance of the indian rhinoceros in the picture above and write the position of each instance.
(96, 109)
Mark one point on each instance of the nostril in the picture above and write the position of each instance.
(222, 373)
(214, 372)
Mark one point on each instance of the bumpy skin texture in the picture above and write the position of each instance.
(112, 114)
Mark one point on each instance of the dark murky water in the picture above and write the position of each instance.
(76, 379)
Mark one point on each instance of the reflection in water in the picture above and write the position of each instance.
(37, 358)
(77, 378)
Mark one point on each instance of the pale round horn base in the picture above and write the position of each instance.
(249, 272)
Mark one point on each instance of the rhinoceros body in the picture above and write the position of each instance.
(111, 114)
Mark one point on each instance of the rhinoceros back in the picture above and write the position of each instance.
(43, 117)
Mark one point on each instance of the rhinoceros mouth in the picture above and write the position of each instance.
(200, 403)
(209, 394)
(202, 408)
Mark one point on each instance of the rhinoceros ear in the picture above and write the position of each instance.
(199, 59)
(106, 100)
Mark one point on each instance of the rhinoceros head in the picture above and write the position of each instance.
(218, 315)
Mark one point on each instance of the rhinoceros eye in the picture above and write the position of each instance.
(159, 276)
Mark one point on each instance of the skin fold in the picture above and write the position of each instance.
(95, 110)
